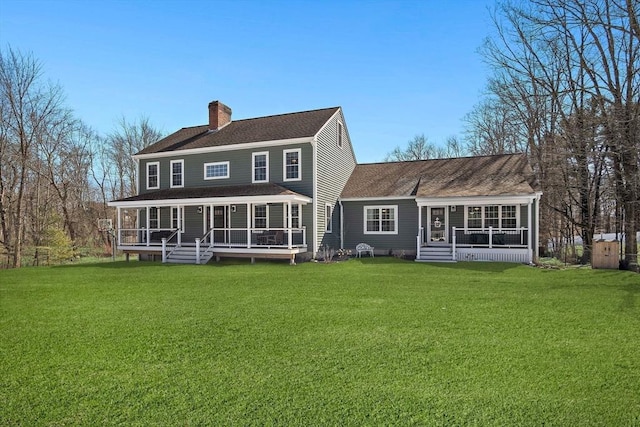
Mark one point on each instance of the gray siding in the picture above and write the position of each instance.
(240, 168)
(334, 168)
(407, 226)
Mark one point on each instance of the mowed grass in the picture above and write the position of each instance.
(371, 342)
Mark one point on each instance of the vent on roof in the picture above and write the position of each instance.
(219, 115)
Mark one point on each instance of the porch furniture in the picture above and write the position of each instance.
(157, 236)
(364, 248)
(271, 237)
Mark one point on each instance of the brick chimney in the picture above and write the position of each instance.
(219, 115)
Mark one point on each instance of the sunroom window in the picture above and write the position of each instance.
(495, 216)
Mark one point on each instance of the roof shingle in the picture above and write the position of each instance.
(506, 174)
(269, 128)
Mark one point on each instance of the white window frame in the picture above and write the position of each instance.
(380, 207)
(217, 164)
(157, 165)
(328, 216)
(284, 164)
(483, 217)
(339, 136)
(174, 219)
(171, 176)
(286, 215)
(253, 216)
(156, 219)
(253, 166)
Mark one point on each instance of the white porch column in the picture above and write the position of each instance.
(119, 224)
(529, 229)
(419, 226)
(197, 250)
(537, 239)
(164, 249)
(249, 225)
(148, 224)
(179, 225)
(289, 222)
(453, 244)
(211, 239)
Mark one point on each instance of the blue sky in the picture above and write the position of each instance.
(398, 69)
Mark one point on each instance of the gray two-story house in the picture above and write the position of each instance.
(288, 185)
(262, 187)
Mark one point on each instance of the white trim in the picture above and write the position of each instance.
(137, 176)
(515, 199)
(284, 164)
(314, 235)
(339, 134)
(205, 177)
(395, 219)
(446, 226)
(374, 199)
(231, 147)
(181, 163)
(253, 215)
(286, 216)
(253, 166)
(157, 164)
(180, 216)
(483, 216)
(157, 208)
(328, 220)
(215, 200)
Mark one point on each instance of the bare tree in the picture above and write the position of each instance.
(419, 148)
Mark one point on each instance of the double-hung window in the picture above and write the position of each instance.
(260, 167)
(177, 173)
(295, 215)
(260, 216)
(381, 219)
(153, 175)
(154, 217)
(216, 170)
(174, 218)
(291, 161)
(495, 216)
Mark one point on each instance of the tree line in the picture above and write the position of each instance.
(56, 173)
(565, 89)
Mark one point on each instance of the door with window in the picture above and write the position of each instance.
(437, 225)
(220, 223)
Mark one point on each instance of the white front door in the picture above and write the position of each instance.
(437, 230)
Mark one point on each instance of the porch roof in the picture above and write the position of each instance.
(500, 175)
(250, 193)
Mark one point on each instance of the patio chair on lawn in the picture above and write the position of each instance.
(364, 248)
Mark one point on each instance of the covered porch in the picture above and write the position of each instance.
(478, 229)
(257, 221)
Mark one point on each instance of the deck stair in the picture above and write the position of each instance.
(435, 254)
(187, 255)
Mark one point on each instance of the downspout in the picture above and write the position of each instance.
(341, 224)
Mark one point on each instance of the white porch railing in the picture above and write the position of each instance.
(490, 237)
(217, 237)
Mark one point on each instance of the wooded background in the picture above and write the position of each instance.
(564, 88)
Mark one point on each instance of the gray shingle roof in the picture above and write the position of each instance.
(270, 128)
(506, 174)
(217, 191)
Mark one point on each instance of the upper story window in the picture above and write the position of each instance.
(339, 136)
(260, 167)
(153, 175)
(217, 170)
(177, 173)
(381, 219)
(495, 216)
(291, 161)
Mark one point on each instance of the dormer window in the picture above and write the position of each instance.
(153, 174)
(291, 163)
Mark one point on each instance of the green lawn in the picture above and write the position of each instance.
(366, 342)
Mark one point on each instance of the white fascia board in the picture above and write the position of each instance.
(221, 148)
(476, 200)
(213, 201)
(373, 199)
(328, 121)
